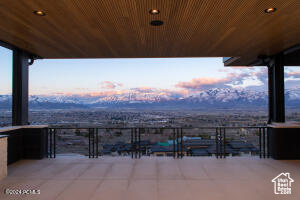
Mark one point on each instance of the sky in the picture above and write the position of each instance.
(117, 76)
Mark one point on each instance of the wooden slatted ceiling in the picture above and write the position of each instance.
(120, 28)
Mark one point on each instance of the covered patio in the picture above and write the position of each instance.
(116, 178)
(245, 33)
(249, 33)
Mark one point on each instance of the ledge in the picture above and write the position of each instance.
(285, 125)
(35, 126)
(12, 128)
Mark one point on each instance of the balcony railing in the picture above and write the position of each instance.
(220, 141)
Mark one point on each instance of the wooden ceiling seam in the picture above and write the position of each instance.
(121, 29)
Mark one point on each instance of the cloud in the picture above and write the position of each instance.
(241, 79)
(202, 83)
(292, 79)
(250, 78)
(294, 74)
(110, 85)
(228, 69)
(261, 75)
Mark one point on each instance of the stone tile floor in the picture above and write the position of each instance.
(123, 178)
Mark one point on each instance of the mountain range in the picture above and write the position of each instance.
(212, 98)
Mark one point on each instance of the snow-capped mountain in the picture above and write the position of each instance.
(217, 97)
(226, 95)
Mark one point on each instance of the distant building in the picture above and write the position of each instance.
(158, 150)
(190, 147)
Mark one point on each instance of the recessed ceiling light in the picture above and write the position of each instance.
(39, 13)
(154, 11)
(270, 10)
(156, 23)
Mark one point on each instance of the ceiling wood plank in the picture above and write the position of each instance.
(121, 29)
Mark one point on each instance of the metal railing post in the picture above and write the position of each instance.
(224, 142)
(264, 142)
(139, 137)
(217, 146)
(131, 143)
(259, 142)
(48, 142)
(93, 143)
(181, 143)
(135, 142)
(221, 143)
(97, 143)
(177, 143)
(174, 156)
(268, 144)
(51, 142)
(54, 143)
(89, 143)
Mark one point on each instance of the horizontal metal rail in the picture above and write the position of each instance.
(170, 128)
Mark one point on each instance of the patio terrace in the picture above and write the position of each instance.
(161, 178)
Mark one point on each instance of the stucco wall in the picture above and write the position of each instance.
(3, 157)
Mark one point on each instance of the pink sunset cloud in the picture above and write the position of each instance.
(110, 85)
(243, 78)
(231, 78)
(295, 74)
(200, 83)
(234, 79)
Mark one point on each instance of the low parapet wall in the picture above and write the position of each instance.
(285, 140)
(25, 142)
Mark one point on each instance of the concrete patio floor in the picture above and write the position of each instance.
(116, 178)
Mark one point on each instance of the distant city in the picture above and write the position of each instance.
(214, 107)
